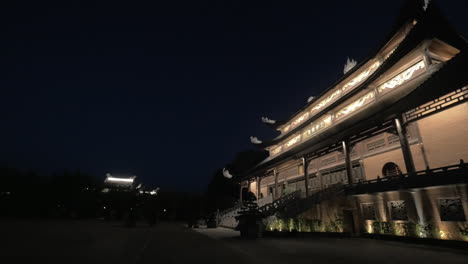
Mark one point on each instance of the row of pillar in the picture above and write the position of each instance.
(401, 132)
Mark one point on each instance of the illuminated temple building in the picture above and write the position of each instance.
(383, 149)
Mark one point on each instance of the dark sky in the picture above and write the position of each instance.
(171, 91)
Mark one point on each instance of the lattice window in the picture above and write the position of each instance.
(390, 169)
(451, 210)
(301, 169)
(368, 211)
(328, 161)
(393, 139)
(289, 172)
(436, 105)
(315, 182)
(344, 177)
(376, 144)
(357, 174)
(340, 156)
(398, 210)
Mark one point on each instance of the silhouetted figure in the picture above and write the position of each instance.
(130, 221)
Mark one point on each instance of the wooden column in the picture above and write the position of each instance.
(241, 188)
(275, 190)
(347, 155)
(401, 131)
(258, 188)
(305, 165)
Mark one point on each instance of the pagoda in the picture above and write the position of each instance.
(383, 149)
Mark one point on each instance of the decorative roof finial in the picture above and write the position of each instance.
(350, 63)
(310, 99)
(426, 4)
(255, 140)
(267, 120)
(226, 173)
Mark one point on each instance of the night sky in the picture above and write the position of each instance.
(171, 91)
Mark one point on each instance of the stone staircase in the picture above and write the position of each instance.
(302, 204)
(289, 205)
(295, 203)
(227, 218)
(279, 204)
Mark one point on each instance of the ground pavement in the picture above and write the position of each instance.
(95, 241)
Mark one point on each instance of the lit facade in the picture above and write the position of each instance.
(383, 150)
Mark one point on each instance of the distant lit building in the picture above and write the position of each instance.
(382, 150)
(119, 182)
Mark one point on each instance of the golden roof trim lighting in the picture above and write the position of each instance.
(332, 97)
(362, 76)
(315, 127)
(293, 141)
(401, 78)
(356, 105)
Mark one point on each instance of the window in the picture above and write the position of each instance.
(451, 210)
(398, 210)
(328, 161)
(368, 211)
(390, 169)
(300, 170)
(376, 144)
(393, 139)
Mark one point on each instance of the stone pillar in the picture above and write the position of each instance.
(401, 131)
(275, 190)
(347, 155)
(305, 165)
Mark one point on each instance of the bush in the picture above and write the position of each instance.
(403, 229)
(464, 233)
(424, 231)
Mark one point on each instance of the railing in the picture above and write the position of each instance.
(227, 218)
(302, 205)
(296, 202)
(431, 177)
(271, 208)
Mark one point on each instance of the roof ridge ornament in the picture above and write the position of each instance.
(226, 174)
(310, 99)
(255, 140)
(267, 120)
(350, 63)
(426, 4)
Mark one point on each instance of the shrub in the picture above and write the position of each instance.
(424, 230)
(403, 229)
(464, 233)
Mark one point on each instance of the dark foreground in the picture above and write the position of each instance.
(99, 242)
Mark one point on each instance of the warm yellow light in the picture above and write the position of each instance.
(327, 100)
(443, 235)
(293, 141)
(114, 179)
(317, 126)
(355, 105)
(335, 95)
(300, 119)
(390, 53)
(362, 76)
(276, 150)
(402, 77)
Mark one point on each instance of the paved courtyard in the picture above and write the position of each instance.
(96, 241)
